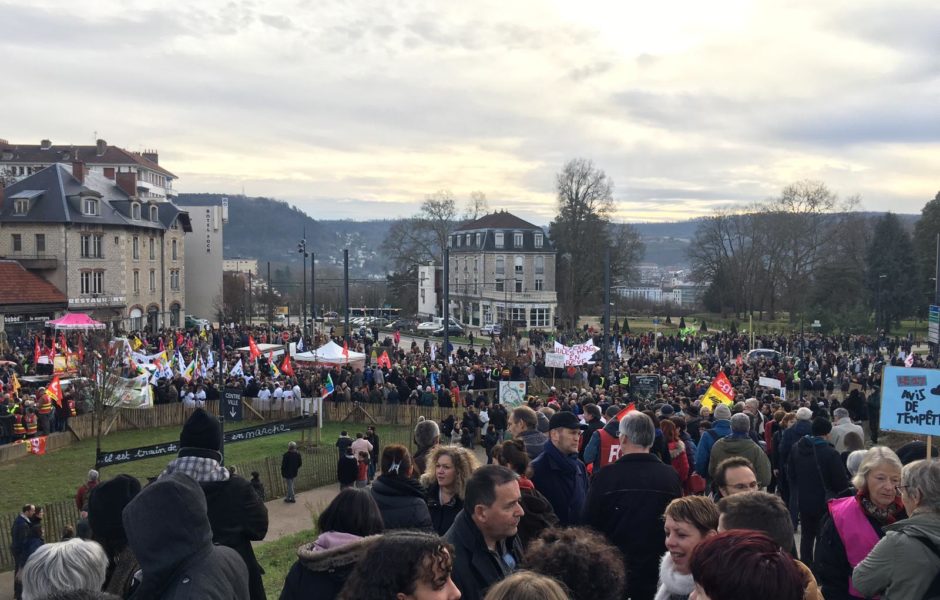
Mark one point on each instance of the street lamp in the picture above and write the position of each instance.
(879, 315)
(302, 249)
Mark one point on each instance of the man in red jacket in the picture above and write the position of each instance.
(81, 496)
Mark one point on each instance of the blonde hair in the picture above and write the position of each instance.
(874, 458)
(465, 463)
(700, 511)
(526, 585)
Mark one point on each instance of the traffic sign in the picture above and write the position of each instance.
(933, 324)
(232, 404)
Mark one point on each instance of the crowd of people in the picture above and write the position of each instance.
(594, 489)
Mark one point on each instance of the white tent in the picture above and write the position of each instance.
(332, 354)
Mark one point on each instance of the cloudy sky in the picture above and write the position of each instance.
(359, 109)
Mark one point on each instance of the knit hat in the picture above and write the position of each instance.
(804, 414)
(564, 419)
(201, 430)
(821, 426)
(666, 410)
(105, 505)
(722, 412)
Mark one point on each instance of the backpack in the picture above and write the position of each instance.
(933, 592)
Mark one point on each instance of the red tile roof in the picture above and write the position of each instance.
(113, 155)
(19, 286)
(497, 220)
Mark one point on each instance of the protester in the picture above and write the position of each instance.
(744, 564)
(688, 522)
(679, 458)
(739, 443)
(735, 475)
(404, 564)
(486, 548)
(527, 585)
(446, 484)
(905, 563)
(62, 567)
(400, 498)
(558, 473)
(168, 530)
(720, 428)
(523, 424)
(34, 540)
(18, 534)
(860, 518)
(256, 484)
(81, 496)
(800, 427)
(291, 462)
(427, 436)
(627, 500)
(854, 460)
(348, 527)
(539, 514)
(842, 426)
(588, 567)
(105, 507)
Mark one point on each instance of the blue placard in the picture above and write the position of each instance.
(910, 400)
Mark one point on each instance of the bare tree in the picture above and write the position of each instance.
(477, 206)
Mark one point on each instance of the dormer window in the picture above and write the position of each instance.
(135, 211)
(538, 240)
(498, 239)
(20, 206)
(517, 239)
(468, 240)
(153, 213)
(479, 239)
(90, 207)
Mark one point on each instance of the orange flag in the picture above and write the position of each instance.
(346, 349)
(286, 367)
(384, 360)
(54, 391)
(253, 351)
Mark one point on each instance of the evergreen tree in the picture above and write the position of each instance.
(892, 274)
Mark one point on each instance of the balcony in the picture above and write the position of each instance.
(511, 296)
(35, 262)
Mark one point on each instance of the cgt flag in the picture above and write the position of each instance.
(384, 360)
(719, 391)
(253, 351)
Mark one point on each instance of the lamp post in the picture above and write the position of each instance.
(879, 315)
(302, 249)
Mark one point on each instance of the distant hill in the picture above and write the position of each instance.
(269, 230)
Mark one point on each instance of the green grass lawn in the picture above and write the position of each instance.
(57, 475)
(276, 558)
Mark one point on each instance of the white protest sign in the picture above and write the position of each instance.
(555, 360)
(769, 382)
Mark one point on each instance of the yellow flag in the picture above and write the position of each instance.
(136, 343)
(719, 391)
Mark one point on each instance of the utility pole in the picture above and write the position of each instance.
(606, 344)
(446, 301)
(313, 290)
(346, 292)
(302, 248)
(251, 312)
(270, 298)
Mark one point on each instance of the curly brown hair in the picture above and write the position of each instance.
(465, 463)
(587, 565)
(396, 563)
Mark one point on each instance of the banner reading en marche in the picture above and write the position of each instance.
(117, 457)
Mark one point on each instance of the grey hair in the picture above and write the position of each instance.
(638, 429)
(840, 413)
(92, 475)
(291, 445)
(74, 564)
(874, 458)
(754, 402)
(922, 477)
(854, 461)
(740, 423)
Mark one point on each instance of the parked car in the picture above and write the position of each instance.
(491, 329)
(455, 329)
(763, 354)
(193, 322)
(405, 324)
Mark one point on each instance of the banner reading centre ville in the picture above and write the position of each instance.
(910, 400)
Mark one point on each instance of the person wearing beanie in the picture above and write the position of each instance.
(427, 436)
(816, 474)
(800, 427)
(720, 428)
(558, 473)
(105, 505)
(739, 443)
(168, 529)
(236, 513)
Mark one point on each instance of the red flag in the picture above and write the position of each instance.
(346, 349)
(189, 344)
(81, 349)
(51, 353)
(629, 409)
(384, 361)
(37, 445)
(253, 351)
(179, 339)
(397, 337)
(54, 391)
(162, 348)
(740, 361)
(286, 366)
(36, 352)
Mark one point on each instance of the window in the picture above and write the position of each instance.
(538, 317)
(500, 314)
(487, 314)
(469, 240)
(40, 243)
(479, 239)
(20, 206)
(423, 296)
(153, 213)
(91, 246)
(153, 280)
(175, 255)
(538, 240)
(135, 211)
(500, 265)
(175, 279)
(499, 285)
(518, 285)
(459, 241)
(476, 288)
(539, 265)
(17, 242)
(476, 263)
(498, 239)
(517, 239)
(136, 245)
(539, 284)
(136, 281)
(90, 207)
(517, 314)
(152, 253)
(519, 261)
(174, 315)
(92, 282)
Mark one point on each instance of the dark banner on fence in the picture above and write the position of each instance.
(117, 457)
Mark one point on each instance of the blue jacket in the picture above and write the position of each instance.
(703, 454)
(563, 481)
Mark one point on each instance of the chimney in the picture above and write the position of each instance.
(152, 156)
(102, 146)
(45, 145)
(78, 171)
(127, 182)
(109, 173)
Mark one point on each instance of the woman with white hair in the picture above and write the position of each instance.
(854, 524)
(75, 564)
(905, 563)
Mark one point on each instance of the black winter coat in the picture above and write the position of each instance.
(815, 468)
(790, 437)
(402, 503)
(347, 469)
(321, 574)
(626, 503)
(290, 464)
(475, 567)
(539, 514)
(563, 481)
(442, 515)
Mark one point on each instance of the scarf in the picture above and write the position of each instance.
(884, 516)
(672, 584)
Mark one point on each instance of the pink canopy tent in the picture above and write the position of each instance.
(75, 321)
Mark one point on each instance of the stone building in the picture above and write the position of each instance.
(114, 251)
(501, 269)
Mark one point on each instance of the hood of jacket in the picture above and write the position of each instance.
(671, 581)
(334, 550)
(925, 524)
(167, 526)
(808, 445)
(385, 485)
(613, 428)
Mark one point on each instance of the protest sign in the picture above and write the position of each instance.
(511, 393)
(555, 360)
(644, 386)
(910, 400)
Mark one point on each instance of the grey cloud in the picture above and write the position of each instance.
(899, 25)
(276, 21)
(58, 29)
(588, 71)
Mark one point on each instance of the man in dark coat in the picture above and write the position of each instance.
(236, 513)
(486, 548)
(558, 473)
(18, 534)
(168, 530)
(627, 500)
(290, 466)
